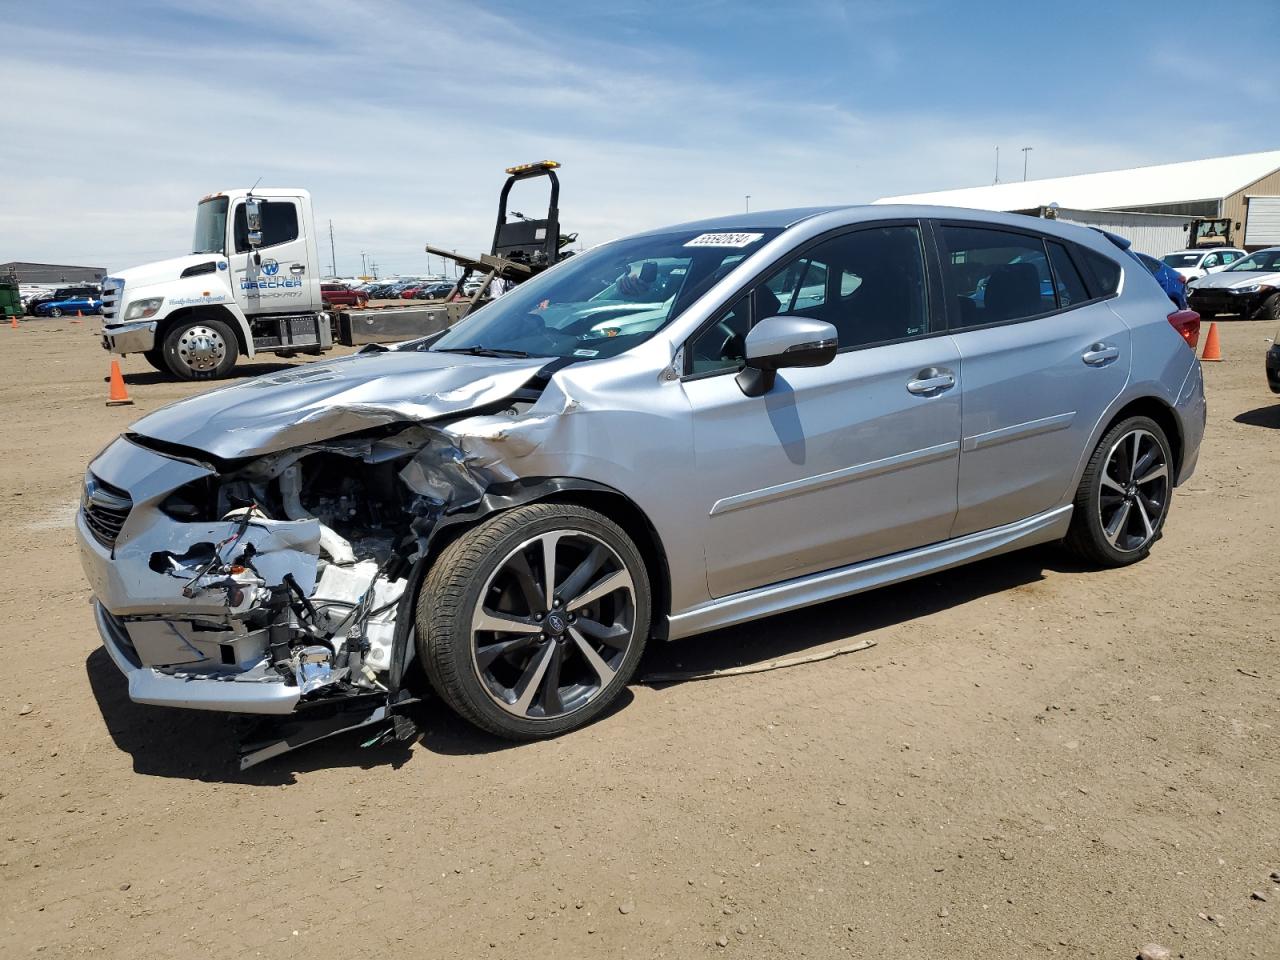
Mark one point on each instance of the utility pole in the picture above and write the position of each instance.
(748, 205)
(997, 180)
(1025, 151)
(364, 265)
(333, 259)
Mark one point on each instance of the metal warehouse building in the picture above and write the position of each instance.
(1232, 200)
(50, 272)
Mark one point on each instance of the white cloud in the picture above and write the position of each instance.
(399, 119)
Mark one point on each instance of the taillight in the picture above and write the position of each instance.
(1187, 323)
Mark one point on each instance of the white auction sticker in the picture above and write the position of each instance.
(736, 240)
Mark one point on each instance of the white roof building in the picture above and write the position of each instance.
(1220, 187)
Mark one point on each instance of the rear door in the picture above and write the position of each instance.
(280, 283)
(836, 464)
(1042, 356)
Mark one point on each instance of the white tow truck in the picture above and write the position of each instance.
(250, 285)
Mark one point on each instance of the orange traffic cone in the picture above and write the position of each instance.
(117, 396)
(1212, 351)
(13, 321)
(79, 314)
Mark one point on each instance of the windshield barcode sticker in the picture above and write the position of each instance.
(737, 240)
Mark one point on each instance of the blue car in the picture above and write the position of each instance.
(1173, 283)
(57, 308)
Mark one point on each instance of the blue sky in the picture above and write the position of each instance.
(399, 117)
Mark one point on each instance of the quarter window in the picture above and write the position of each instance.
(1069, 283)
(993, 276)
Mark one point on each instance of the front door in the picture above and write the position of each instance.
(1042, 360)
(281, 282)
(836, 464)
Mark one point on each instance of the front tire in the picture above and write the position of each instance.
(156, 359)
(1123, 497)
(1270, 309)
(531, 624)
(199, 349)
(55, 312)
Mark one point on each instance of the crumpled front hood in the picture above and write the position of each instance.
(327, 399)
(1236, 278)
(164, 271)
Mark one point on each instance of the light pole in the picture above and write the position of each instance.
(747, 208)
(364, 265)
(1025, 151)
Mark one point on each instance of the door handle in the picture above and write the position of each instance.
(1100, 353)
(931, 381)
(297, 268)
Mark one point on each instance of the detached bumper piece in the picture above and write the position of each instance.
(271, 737)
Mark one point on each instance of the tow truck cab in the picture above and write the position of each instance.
(250, 285)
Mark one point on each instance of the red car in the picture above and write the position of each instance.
(336, 295)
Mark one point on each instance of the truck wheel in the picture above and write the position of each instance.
(156, 359)
(200, 349)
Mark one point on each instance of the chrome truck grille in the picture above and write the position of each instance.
(112, 293)
(105, 510)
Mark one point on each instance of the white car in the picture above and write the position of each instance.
(1193, 264)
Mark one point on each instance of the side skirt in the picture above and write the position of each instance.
(858, 577)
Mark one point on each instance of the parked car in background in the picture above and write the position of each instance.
(591, 461)
(83, 291)
(1171, 281)
(70, 306)
(433, 291)
(1200, 263)
(1250, 288)
(339, 295)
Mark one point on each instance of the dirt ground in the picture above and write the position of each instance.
(1035, 759)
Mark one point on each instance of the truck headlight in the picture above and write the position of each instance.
(141, 309)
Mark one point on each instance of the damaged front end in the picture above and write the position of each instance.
(279, 584)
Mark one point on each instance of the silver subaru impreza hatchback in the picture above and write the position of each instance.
(670, 433)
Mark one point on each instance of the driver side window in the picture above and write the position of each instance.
(722, 346)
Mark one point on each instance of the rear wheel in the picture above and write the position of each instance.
(532, 623)
(1124, 495)
(199, 349)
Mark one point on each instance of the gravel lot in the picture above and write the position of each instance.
(1034, 760)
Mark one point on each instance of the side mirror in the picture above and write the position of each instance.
(253, 220)
(778, 342)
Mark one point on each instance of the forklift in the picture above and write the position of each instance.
(522, 247)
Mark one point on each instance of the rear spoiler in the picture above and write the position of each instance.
(1121, 242)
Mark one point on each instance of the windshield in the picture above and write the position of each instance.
(211, 226)
(1264, 261)
(1183, 259)
(606, 300)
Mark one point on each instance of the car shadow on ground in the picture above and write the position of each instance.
(199, 745)
(242, 370)
(1268, 416)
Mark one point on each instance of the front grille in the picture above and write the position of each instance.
(112, 290)
(105, 510)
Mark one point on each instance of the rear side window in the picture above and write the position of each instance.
(1101, 273)
(995, 276)
(1070, 285)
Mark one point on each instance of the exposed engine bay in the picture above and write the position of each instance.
(287, 578)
